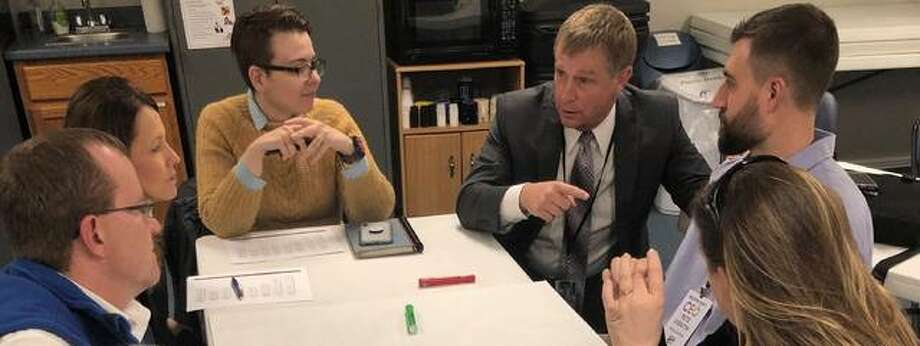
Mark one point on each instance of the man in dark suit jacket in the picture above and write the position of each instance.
(636, 144)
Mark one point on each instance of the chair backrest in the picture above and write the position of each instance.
(826, 117)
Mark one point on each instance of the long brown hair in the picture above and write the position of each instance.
(792, 268)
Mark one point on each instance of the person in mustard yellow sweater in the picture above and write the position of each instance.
(277, 156)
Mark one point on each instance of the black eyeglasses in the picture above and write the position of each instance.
(145, 209)
(714, 201)
(304, 71)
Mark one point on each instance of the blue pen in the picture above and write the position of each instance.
(235, 285)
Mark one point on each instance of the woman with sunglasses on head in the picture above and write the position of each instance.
(111, 104)
(782, 265)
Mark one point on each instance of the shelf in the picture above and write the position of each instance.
(457, 66)
(436, 159)
(433, 130)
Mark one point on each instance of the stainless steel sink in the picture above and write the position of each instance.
(88, 39)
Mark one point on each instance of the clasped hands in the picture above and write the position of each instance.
(633, 295)
(297, 132)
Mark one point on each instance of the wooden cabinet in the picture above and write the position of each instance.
(472, 142)
(434, 161)
(46, 86)
(433, 168)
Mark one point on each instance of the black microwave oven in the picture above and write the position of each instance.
(429, 31)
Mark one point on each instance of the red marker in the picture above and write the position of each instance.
(444, 281)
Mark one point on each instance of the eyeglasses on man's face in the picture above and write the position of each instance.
(304, 71)
(145, 209)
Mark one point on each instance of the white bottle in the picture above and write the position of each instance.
(453, 112)
(405, 107)
(441, 111)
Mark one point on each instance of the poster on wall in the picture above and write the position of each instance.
(208, 23)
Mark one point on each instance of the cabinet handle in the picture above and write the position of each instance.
(472, 161)
(451, 166)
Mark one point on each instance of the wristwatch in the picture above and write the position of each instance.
(357, 154)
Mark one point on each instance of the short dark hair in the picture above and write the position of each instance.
(252, 33)
(47, 184)
(798, 41)
(109, 104)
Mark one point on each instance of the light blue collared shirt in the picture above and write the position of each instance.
(688, 269)
(252, 182)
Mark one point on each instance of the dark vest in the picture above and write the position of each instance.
(35, 296)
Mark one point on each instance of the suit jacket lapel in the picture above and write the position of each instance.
(551, 139)
(625, 153)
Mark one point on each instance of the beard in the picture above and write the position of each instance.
(743, 133)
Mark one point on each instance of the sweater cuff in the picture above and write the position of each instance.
(245, 177)
(355, 169)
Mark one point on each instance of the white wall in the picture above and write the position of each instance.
(673, 14)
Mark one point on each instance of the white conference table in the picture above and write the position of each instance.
(361, 301)
(903, 280)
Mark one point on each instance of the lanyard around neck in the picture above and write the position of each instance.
(593, 197)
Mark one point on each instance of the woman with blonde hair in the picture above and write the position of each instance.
(782, 265)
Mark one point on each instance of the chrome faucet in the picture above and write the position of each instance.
(88, 8)
(91, 24)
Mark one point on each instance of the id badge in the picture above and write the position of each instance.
(687, 318)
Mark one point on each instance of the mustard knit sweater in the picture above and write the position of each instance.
(295, 193)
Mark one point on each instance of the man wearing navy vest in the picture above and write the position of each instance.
(84, 241)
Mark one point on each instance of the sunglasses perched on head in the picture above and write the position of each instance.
(715, 200)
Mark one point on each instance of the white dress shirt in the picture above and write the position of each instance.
(545, 254)
(137, 315)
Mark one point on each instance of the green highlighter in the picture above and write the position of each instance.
(411, 328)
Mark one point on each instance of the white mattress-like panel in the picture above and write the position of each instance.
(871, 36)
(845, 63)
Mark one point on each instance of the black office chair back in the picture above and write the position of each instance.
(826, 115)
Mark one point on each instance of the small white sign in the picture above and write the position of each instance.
(691, 311)
(207, 23)
(277, 245)
(667, 39)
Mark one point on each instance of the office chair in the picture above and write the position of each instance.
(826, 115)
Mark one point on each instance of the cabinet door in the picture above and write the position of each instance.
(47, 116)
(432, 173)
(472, 143)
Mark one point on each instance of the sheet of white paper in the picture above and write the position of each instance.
(275, 245)
(207, 23)
(864, 169)
(530, 314)
(258, 287)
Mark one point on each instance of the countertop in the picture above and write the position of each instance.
(136, 42)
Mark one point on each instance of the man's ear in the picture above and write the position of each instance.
(777, 92)
(91, 236)
(623, 76)
(257, 77)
